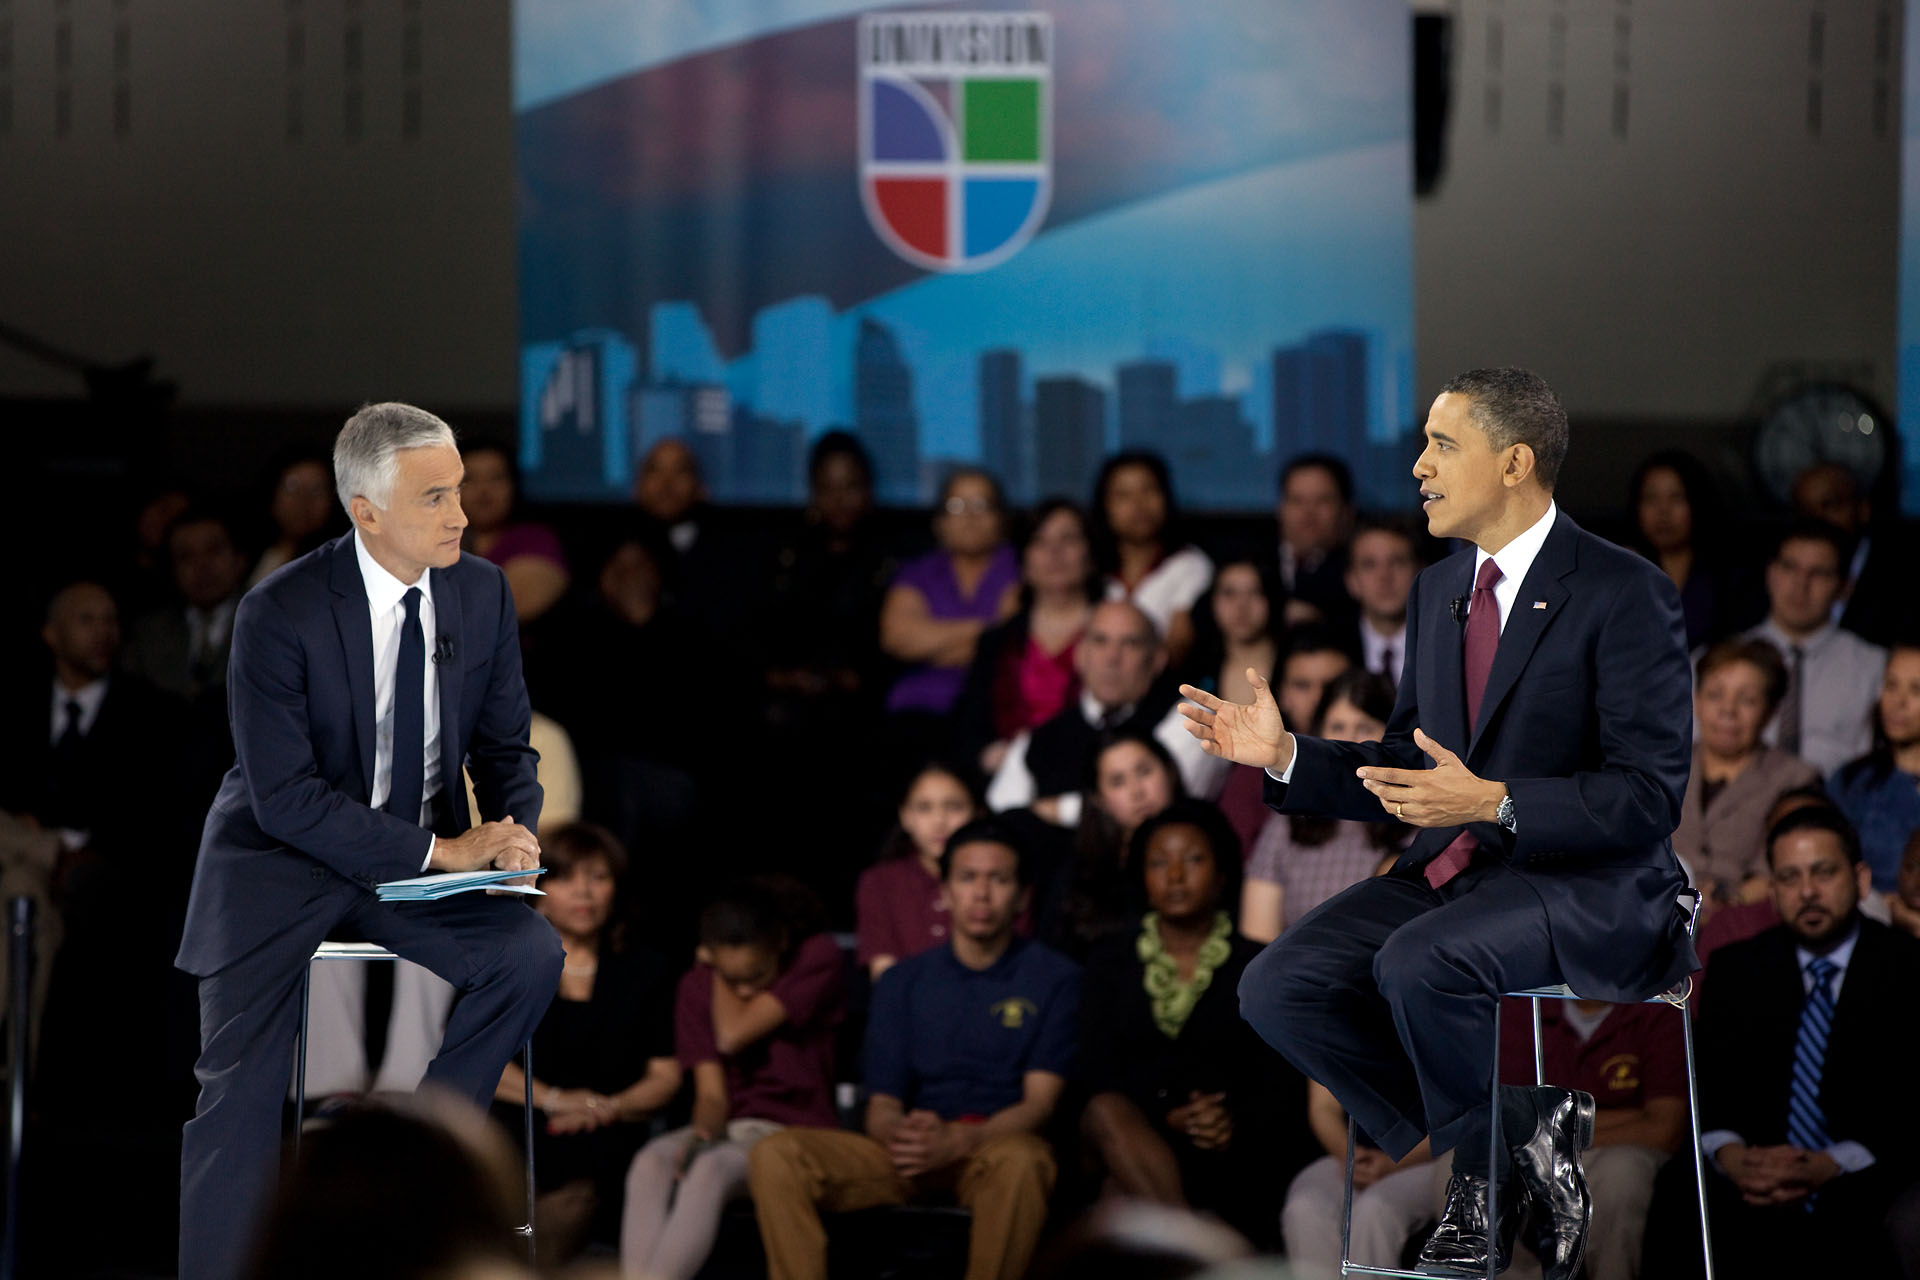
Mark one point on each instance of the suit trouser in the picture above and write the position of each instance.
(1385, 994)
(796, 1173)
(503, 957)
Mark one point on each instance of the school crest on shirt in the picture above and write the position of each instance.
(1013, 1012)
(956, 156)
(1621, 1072)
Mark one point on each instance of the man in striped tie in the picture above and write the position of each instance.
(1805, 1050)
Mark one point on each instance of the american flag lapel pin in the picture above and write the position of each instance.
(1539, 604)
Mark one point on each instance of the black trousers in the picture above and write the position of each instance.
(1386, 992)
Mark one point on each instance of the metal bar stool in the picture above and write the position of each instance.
(1677, 996)
(373, 951)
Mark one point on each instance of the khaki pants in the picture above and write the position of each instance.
(797, 1173)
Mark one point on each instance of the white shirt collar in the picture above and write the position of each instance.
(89, 696)
(1518, 555)
(1813, 640)
(1839, 957)
(1094, 710)
(383, 589)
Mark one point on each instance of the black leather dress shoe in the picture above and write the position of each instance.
(1459, 1245)
(1548, 1165)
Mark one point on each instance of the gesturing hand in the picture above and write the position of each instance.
(1245, 734)
(1447, 795)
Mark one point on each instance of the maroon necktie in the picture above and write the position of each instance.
(1483, 637)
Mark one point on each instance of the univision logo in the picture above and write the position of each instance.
(956, 124)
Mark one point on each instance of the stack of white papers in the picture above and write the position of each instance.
(444, 884)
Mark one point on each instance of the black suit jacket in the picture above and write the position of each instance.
(1587, 718)
(1749, 1026)
(300, 685)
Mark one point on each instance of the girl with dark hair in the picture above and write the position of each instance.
(529, 554)
(1676, 519)
(1880, 792)
(1239, 628)
(1129, 779)
(305, 512)
(1023, 672)
(1183, 1092)
(603, 1053)
(900, 909)
(754, 1022)
(1298, 860)
(1139, 547)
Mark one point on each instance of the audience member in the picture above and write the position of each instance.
(1239, 628)
(1796, 1050)
(1735, 780)
(1139, 547)
(529, 554)
(1120, 661)
(148, 581)
(182, 647)
(1677, 522)
(1904, 903)
(1631, 1058)
(1315, 655)
(1833, 675)
(704, 569)
(939, 604)
(754, 1023)
(1185, 1098)
(1315, 512)
(1391, 1199)
(1876, 604)
(303, 512)
(1299, 861)
(968, 1050)
(1880, 791)
(1023, 673)
(1087, 894)
(900, 906)
(1383, 559)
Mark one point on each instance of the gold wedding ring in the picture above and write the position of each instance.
(1399, 810)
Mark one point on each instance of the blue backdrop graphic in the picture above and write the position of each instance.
(1217, 263)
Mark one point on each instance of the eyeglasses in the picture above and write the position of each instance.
(969, 506)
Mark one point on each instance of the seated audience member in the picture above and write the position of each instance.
(900, 906)
(937, 607)
(1798, 1044)
(1833, 676)
(969, 1047)
(1184, 1096)
(529, 554)
(1631, 1058)
(603, 1054)
(1717, 927)
(1023, 669)
(303, 511)
(1088, 895)
(754, 1023)
(1677, 525)
(1903, 905)
(1139, 548)
(1391, 1200)
(1877, 603)
(1735, 780)
(1380, 568)
(182, 647)
(1120, 661)
(415, 1188)
(1315, 512)
(1239, 629)
(704, 568)
(1314, 656)
(1880, 792)
(1299, 860)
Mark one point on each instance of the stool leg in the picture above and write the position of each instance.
(1493, 1153)
(1539, 1054)
(1346, 1206)
(300, 1061)
(1699, 1158)
(526, 1059)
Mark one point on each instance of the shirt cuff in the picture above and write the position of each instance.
(1850, 1156)
(1710, 1144)
(427, 863)
(1286, 775)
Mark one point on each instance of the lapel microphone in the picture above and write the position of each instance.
(443, 648)
(1458, 608)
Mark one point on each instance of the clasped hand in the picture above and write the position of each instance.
(1205, 1120)
(922, 1141)
(1776, 1175)
(504, 845)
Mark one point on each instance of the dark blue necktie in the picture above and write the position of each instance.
(1806, 1122)
(409, 716)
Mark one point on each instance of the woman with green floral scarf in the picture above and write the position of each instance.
(1188, 1106)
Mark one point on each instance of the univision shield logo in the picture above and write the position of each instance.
(956, 124)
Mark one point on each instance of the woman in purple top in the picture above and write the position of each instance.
(940, 603)
(754, 1023)
(900, 908)
(529, 554)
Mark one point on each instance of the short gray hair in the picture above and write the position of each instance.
(366, 455)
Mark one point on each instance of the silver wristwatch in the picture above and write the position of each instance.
(1504, 815)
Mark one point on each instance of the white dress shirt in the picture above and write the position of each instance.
(88, 696)
(1840, 676)
(1376, 648)
(387, 610)
(1013, 787)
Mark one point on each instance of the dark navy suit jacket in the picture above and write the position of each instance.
(1587, 718)
(292, 816)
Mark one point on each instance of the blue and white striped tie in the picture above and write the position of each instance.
(1806, 1122)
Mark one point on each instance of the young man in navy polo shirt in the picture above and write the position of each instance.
(968, 1049)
